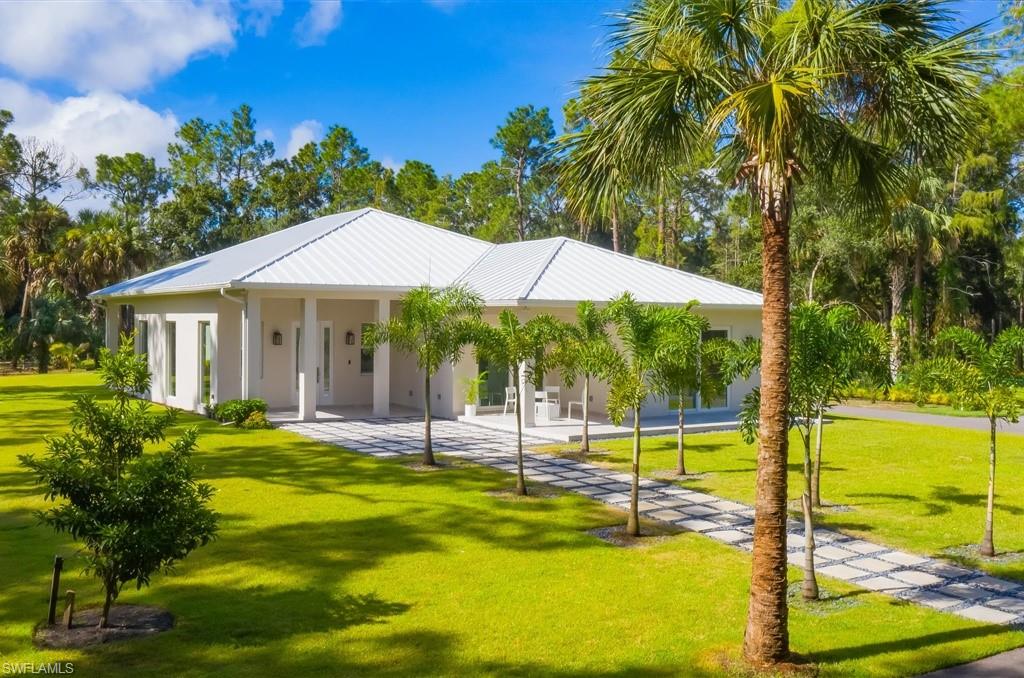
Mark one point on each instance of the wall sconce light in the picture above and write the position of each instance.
(350, 338)
(276, 338)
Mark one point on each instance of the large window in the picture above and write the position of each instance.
(142, 338)
(492, 390)
(172, 358)
(205, 362)
(723, 399)
(365, 353)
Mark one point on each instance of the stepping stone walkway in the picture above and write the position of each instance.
(926, 581)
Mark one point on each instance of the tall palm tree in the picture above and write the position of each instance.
(434, 325)
(837, 89)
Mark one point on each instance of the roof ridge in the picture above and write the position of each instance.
(305, 243)
(655, 264)
(476, 262)
(426, 225)
(535, 278)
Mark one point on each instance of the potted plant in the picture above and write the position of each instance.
(471, 386)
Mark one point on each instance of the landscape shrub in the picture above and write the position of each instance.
(238, 411)
(256, 421)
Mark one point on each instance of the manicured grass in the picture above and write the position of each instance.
(910, 486)
(329, 563)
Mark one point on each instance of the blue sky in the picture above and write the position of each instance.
(413, 80)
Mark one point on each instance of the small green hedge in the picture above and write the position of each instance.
(238, 412)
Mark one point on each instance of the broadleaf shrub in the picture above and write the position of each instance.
(238, 411)
(256, 421)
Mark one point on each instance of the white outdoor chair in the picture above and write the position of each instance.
(554, 395)
(510, 398)
(568, 414)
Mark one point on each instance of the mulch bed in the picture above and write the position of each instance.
(127, 622)
(534, 491)
(616, 536)
(970, 552)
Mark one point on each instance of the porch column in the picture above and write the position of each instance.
(382, 367)
(307, 375)
(527, 410)
(112, 327)
(252, 346)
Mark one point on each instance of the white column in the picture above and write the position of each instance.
(382, 367)
(527, 409)
(307, 375)
(112, 335)
(252, 346)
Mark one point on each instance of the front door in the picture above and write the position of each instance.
(324, 361)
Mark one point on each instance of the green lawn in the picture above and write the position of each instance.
(332, 563)
(910, 486)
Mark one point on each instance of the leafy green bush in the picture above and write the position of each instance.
(255, 421)
(238, 411)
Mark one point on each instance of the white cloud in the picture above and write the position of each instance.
(99, 122)
(322, 18)
(259, 14)
(113, 45)
(303, 133)
(391, 163)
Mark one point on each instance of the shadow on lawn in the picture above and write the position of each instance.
(939, 640)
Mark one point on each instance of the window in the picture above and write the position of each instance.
(492, 390)
(365, 354)
(205, 366)
(172, 358)
(142, 338)
(263, 342)
(326, 386)
(298, 355)
(723, 399)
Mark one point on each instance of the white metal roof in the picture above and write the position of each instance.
(371, 249)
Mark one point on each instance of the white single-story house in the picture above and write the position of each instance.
(281, 317)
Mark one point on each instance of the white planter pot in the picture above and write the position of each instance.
(470, 410)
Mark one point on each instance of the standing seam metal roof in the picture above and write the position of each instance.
(370, 248)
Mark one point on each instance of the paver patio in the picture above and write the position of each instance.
(925, 581)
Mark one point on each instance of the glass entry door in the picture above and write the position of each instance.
(324, 361)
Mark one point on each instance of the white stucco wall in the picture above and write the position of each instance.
(349, 386)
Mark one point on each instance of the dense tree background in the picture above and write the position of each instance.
(949, 254)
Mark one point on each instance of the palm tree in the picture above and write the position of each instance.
(979, 375)
(512, 344)
(647, 333)
(585, 352)
(434, 325)
(829, 349)
(835, 89)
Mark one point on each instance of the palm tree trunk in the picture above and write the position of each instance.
(766, 639)
(810, 584)
(988, 548)
(816, 472)
(585, 438)
(520, 475)
(633, 523)
(428, 448)
(680, 444)
(917, 299)
(662, 254)
(897, 285)
(615, 227)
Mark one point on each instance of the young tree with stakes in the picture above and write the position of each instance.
(835, 89)
(434, 325)
(511, 344)
(136, 513)
(979, 375)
